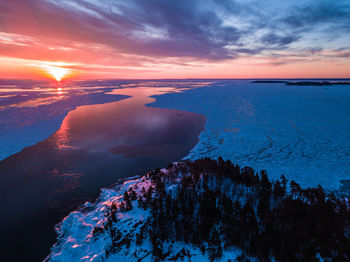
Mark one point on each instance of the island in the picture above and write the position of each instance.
(207, 210)
(302, 83)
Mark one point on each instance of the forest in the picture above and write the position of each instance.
(216, 205)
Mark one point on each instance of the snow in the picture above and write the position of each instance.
(75, 238)
(299, 131)
(76, 241)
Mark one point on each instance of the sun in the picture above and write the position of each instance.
(57, 72)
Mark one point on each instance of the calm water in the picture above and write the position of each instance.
(93, 147)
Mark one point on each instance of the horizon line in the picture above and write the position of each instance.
(163, 79)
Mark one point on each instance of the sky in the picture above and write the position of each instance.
(142, 39)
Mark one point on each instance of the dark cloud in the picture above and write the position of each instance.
(188, 29)
(175, 28)
(315, 13)
(278, 63)
(315, 50)
(278, 40)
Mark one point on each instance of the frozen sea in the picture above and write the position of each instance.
(60, 144)
(302, 132)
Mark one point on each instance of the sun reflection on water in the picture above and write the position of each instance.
(62, 135)
(100, 127)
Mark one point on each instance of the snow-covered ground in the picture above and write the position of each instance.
(302, 132)
(78, 242)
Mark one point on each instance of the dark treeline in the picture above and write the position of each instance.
(302, 83)
(218, 205)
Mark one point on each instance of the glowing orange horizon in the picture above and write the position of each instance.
(57, 72)
(239, 68)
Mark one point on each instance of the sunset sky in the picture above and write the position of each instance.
(87, 39)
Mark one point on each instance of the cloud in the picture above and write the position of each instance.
(316, 13)
(339, 53)
(155, 28)
(272, 39)
(137, 32)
